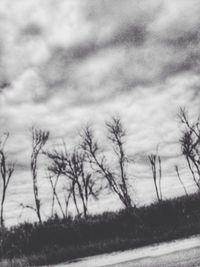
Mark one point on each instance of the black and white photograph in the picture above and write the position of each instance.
(100, 133)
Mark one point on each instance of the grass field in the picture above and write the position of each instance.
(58, 240)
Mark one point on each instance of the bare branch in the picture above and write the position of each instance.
(73, 166)
(180, 180)
(39, 139)
(190, 144)
(154, 160)
(116, 134)
(6, 171)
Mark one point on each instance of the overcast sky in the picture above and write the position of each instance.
(64, 63)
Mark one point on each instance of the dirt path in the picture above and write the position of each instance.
(183, 258)
(184, 252)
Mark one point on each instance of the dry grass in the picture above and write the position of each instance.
(58, 240)
(15, 263)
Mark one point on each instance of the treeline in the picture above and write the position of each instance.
(88, 171)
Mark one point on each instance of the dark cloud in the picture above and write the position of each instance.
(184, 40)
(174, 68)
(31, 30)
(4, 85)
(175, 51)
(132, 35)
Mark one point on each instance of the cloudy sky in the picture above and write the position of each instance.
(66, 62)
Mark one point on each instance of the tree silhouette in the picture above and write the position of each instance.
(54, 182)
(156, 167)
(190, 144)
(82, 183)
(118, 183)
(6, 171)
(180, 180)
(39, 139)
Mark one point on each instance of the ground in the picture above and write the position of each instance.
(184, 253)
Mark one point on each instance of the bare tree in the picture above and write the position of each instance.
(180, 180)
(39, 139)
(155, 162)
(118, 183)
(117, 134)
(190, 144)
(6, 171)
(53, 177)
(67, 191)
(56, 169)
(54, 183)
(82, 183)
(160, 175)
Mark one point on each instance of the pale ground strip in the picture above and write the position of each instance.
(136, 254)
